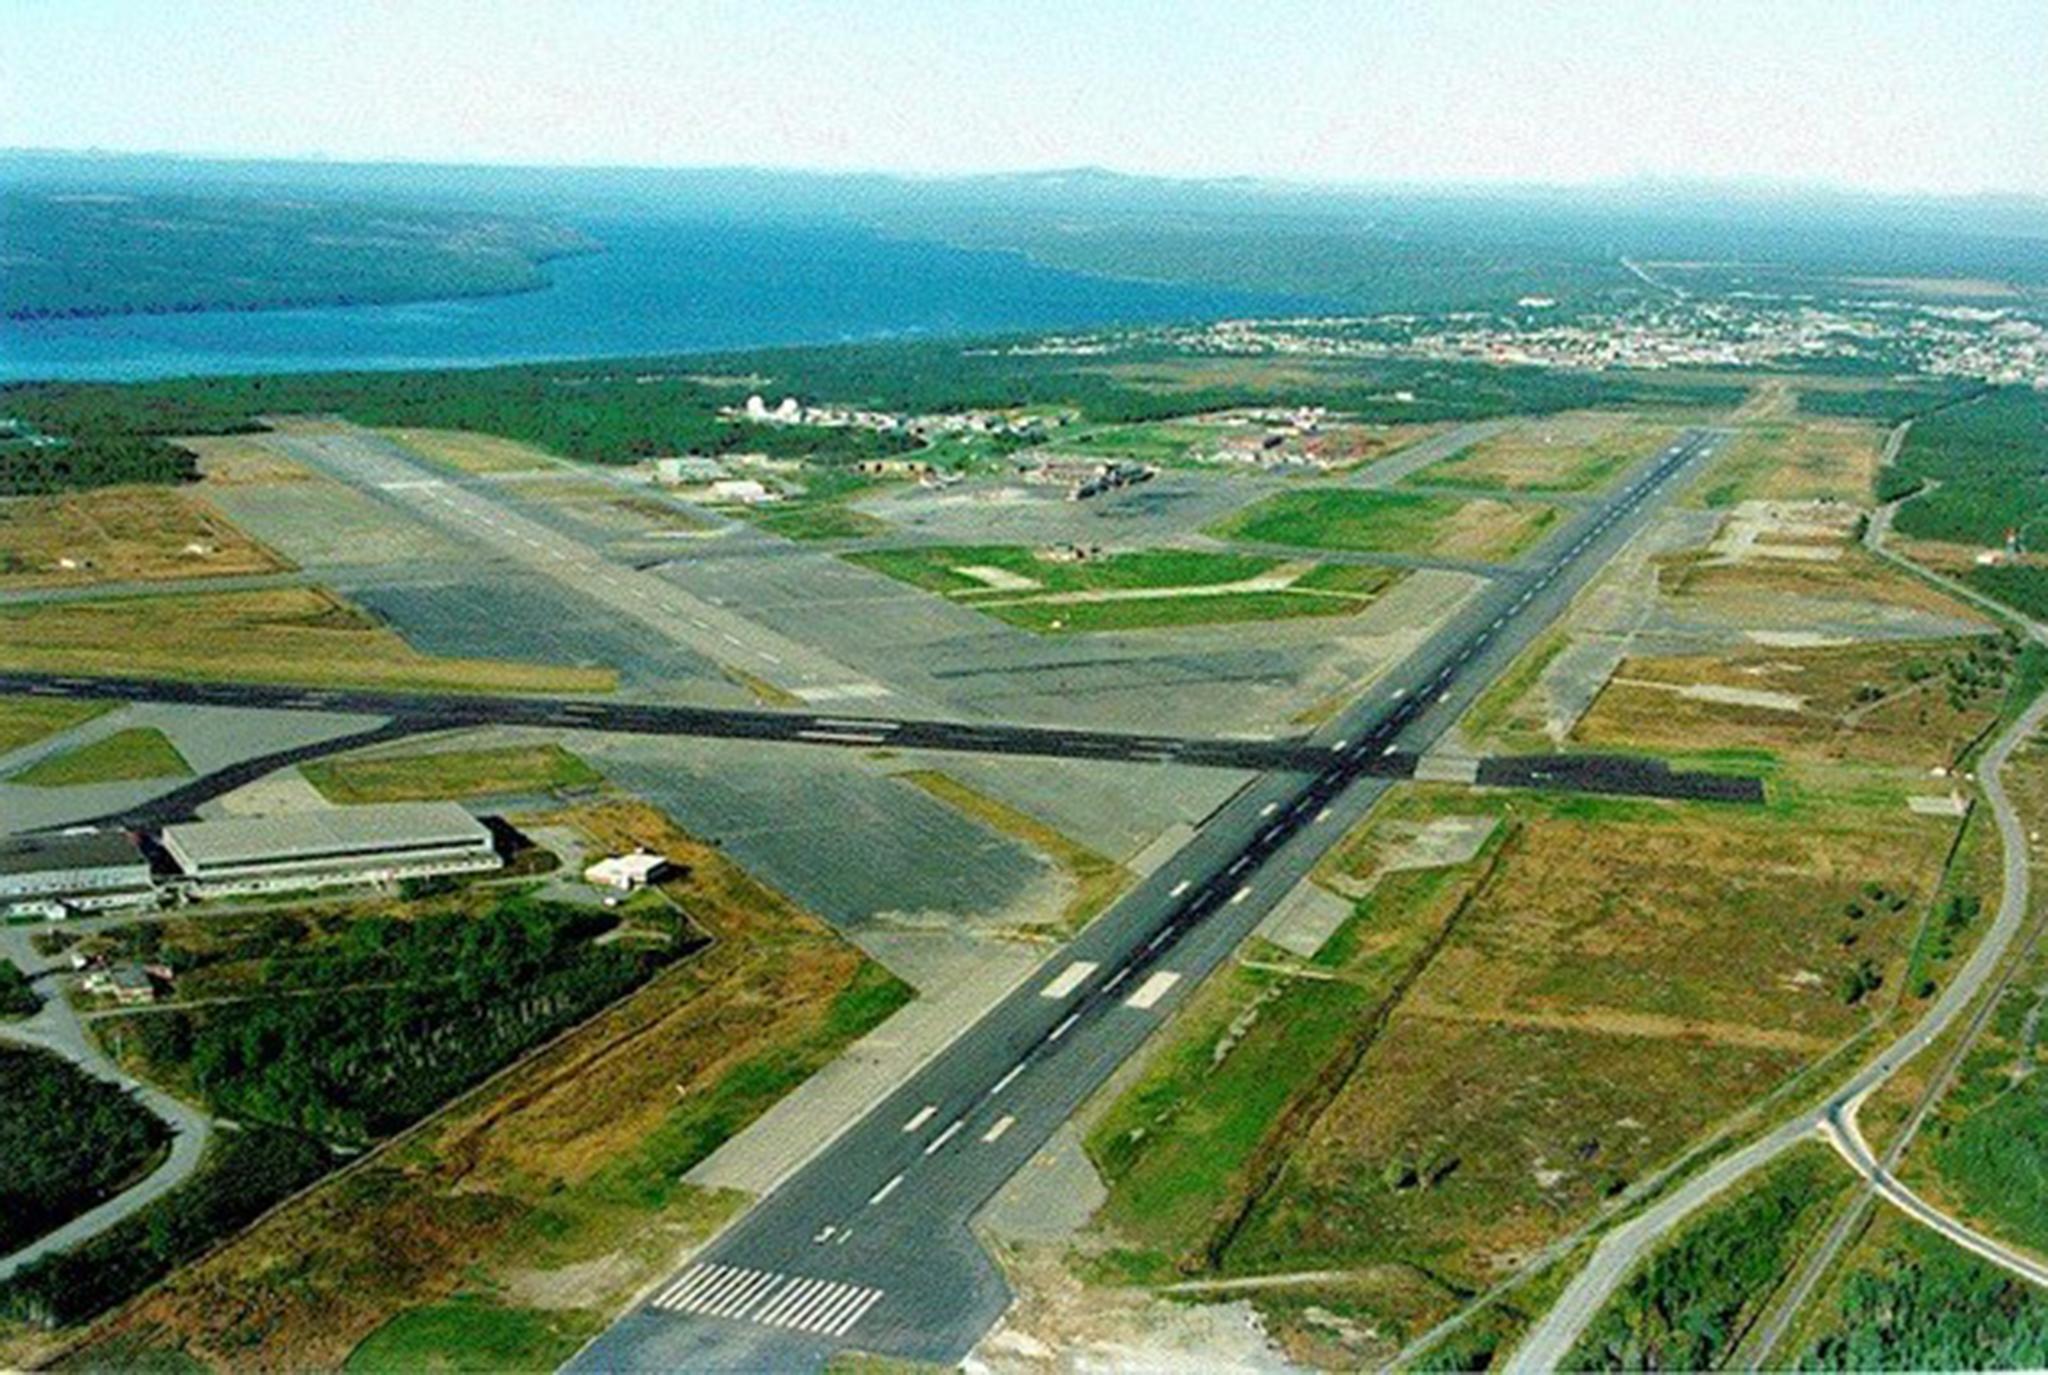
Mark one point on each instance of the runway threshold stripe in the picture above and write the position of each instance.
(1070, 978)
(1152, 990)
(845, 1324)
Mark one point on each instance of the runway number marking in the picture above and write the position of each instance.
(1152, 990)
(1070, 978)
(829, 1308)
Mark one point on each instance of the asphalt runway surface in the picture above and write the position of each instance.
(869, 1247)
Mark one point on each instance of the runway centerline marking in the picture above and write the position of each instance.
(953, 1130)
(882, 1193)
(1062, 1029)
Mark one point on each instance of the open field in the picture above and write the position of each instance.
(823, 510)
(1544, 1022)
(1391, 522)
(548, 1197)
(1579, 451)
(449, 773)
(140, 752)
(1916, 703)
(469, 452)
(121, 534)
(1095, 879)
(25, 720)
(1131, 590)
(281, 635)
(1849, 585)
(1810, 460)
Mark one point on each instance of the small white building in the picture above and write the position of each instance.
(687, 468)
(626, 873)
(744, 491)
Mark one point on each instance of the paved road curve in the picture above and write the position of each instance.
(868, 1246)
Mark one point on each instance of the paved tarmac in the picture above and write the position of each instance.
(869, 1246)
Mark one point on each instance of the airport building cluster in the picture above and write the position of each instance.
(51, 876)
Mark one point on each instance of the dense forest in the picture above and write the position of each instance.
(420, 1010)
(69, 1142)
(245, 1173)
(622, 411)
(17, 998)
(1927, 1305)
(1691, 1304)
(77, 253)
(1986, 464)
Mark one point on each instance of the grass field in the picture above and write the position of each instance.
(1096, 879)
(450, 773)
(25, 720)
(1899, 703)
(1598, 985)
(1576, 452)
(122, 534)
(1811, 460)
(468, 452)
(139, 752)
(278, 635)
(1133, 590)
(550, 1197)
(823, 510)
(1391, 522)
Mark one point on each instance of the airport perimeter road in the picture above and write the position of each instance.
(869, 1246)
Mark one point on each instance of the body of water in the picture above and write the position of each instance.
(659, 287)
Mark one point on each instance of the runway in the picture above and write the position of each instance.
(868, 1247)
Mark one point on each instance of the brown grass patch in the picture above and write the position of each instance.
(1575, 451)
(122, 534)
(282, 635)
(469, 452)
(1807, 460)
(1886, 703)
(240, 460)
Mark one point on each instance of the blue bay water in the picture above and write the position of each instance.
(659, 287)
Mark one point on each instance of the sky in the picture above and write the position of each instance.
(1886, 95)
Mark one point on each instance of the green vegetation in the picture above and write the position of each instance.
(1054, 594)
(18, 997)
(25, 720)
(159, 253)
(1396, 522)
(1689, 1307)
(619, 411)
(2023, 587)
(419, 1010)
(1922, 1303)
(1990, 459)
(469, 1333)
(135, 753)
(450, 773)
(70, 1142)
(245, 1173)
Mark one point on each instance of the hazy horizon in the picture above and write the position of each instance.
(1916, 99)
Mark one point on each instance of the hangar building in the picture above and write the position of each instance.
(338, 845)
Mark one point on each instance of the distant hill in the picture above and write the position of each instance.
(76, 251)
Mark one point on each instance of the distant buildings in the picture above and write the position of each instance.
(688, 468)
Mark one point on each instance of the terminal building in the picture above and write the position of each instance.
(79, 871)
(328, 847)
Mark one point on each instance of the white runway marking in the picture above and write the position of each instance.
(883, 1192)
(1062, 1029)
(995, 1133)
(920, 1117)
(1070, 978)
(1007, 1079)
(943, 1137)
(1181, 887)
(827, 1307)
(1152, 990)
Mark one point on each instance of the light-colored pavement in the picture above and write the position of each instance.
(1623, 1249)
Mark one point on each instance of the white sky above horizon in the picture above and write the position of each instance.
(1911, 95)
